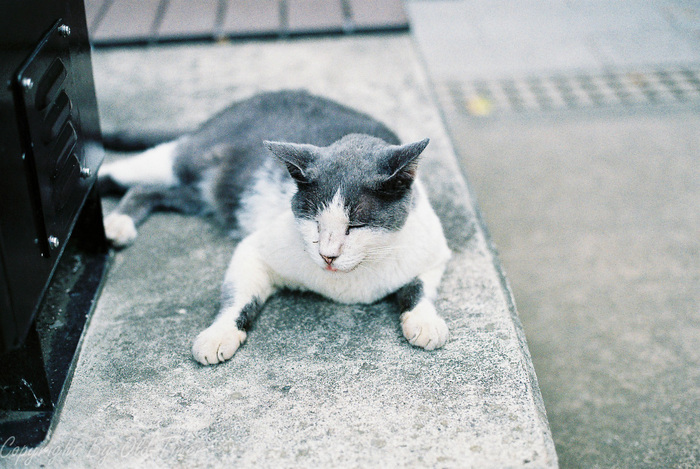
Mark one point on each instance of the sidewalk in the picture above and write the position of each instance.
(317, 384)
(465, 40)
(592, 205)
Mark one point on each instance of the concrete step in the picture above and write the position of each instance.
(317, 384)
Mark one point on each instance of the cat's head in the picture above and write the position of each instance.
(352, 196)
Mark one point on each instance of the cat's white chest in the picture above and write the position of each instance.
(365, 284)
(419, 247)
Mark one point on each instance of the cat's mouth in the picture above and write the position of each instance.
(339, 269)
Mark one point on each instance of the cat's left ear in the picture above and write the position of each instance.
(401, 162)
(297, 157)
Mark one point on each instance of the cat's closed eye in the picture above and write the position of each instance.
(351, 227)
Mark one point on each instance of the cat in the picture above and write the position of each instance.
(337, 210)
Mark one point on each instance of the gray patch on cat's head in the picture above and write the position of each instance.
(374, 178)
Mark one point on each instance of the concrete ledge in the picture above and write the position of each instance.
(317, 384)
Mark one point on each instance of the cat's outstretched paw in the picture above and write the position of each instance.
(120, 229)
(217, 344)
(423, 327)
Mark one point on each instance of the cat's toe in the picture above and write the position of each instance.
(423, 327)
(120, 229)
(217, 344)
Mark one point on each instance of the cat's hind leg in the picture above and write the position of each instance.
(140, 201)
(153, 166)
(421, 324)
(249, 282)
(149, 182)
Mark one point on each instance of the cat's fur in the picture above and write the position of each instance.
(343, 216)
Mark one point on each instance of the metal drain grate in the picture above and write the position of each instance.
(482, 98)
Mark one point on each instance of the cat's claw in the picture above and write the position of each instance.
(120, 229)
(217, 344)
(423, 327)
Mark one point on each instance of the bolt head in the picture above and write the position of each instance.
(27, 83)
(54, 242)
(85, 172)
(64, 30)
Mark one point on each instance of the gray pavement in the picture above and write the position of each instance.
(317, 384)
(596, 219)
(594, 211)
(467, 40)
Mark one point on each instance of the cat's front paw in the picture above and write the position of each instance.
(217, 344)
(423, 327)
(120, 229)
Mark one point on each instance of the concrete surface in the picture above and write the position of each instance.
(594, 212)
(317, 384)
(597, 222)
(468, 40)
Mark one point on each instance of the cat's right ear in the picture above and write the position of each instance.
(297, 157)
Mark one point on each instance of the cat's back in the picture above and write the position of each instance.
(237, 174)
(289, 115)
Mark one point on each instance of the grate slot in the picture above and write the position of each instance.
(51, 84)
(64, 147)
(57, 117)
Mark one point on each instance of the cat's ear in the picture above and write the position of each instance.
(401, 163)
(297, 157)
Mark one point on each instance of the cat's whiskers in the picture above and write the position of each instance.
(384, 251)
(366, 267)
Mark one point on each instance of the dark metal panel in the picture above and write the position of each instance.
(23, 382)
(244, 17)
(40, 89)
(35, 377)
(49, 155)
(8, 327)
(23, 194)
(190, 19)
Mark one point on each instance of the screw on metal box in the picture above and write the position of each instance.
(27, 83)
(54, 242)
(85, 173)
(64, 30)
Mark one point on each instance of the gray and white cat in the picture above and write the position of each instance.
(343, 215)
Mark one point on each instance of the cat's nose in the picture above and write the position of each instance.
(329, 259)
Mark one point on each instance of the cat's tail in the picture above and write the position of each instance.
(131, 141)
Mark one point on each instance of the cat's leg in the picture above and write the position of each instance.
(140, 201)
(421, 324)
(153, 166)
(247, 285)
(144, 178)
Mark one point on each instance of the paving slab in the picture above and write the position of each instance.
(125, 22)
(466, 41)
(317, 384)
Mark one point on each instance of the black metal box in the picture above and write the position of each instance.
(50, 213)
